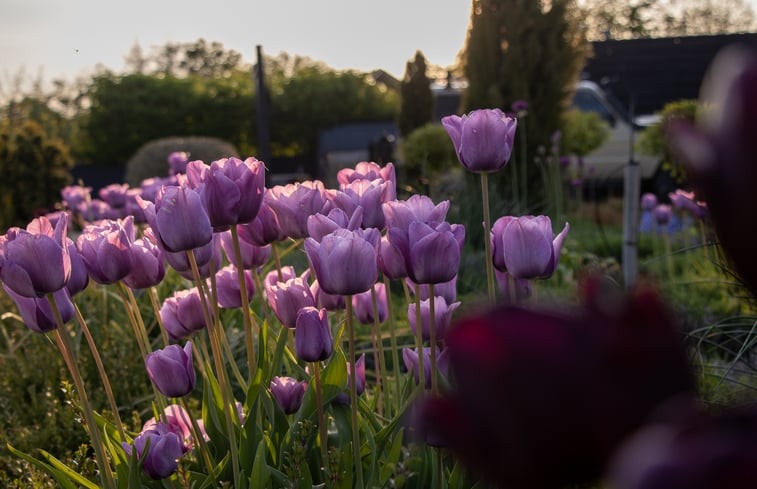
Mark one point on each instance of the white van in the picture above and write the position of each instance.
(606, 163)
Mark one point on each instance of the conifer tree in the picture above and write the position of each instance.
(417, 102)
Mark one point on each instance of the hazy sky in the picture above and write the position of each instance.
(69, 37)
(65, 38)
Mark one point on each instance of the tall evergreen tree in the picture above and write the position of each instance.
(530, 50)
(417, 102)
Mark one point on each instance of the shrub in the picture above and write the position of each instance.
(427, 152)
(150, 159)
(34, 169)
(653, 140)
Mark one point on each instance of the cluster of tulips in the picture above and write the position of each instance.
(219, 227)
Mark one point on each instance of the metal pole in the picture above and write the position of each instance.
(631, 196)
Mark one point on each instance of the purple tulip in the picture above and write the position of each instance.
(312, 336)
(362, 304)
(287, 272)
(178, 219)
(106, 249)
(36, 260)
(330, 302)
(523, 289)
(288, 393)
(400, 213)
(648, 201)
(433, 254)
(410, 357)
(227, 287)
(442, 317)
(287, 298)
(483, 139)
(79, 278)
(519, 106)
(179, 423)
(204, 256)
(527, 247)
(264, 229)
(391, 262)
(37, 313)
(345, 262)
(720, 155)
(75, 197)
(343, 397)
(177, 162)
(370, 195)
(148, 268)
(295, 202)
(448, 290)
(319, 225)
(231, 189)
(662, 214)
(253, 256)
(150, 187)
(367, 170)
(114, 194)
(182, 313)
(171, 370)
(163, 453)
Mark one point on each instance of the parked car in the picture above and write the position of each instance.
(606, 163)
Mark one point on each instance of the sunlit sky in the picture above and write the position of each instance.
(60, 38)
(65, 38)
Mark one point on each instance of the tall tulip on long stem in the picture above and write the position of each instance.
(483, 142)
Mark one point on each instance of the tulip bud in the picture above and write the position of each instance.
(171, 370)
(163, 452)
(312, 336)
(483, 139)
(288, 393)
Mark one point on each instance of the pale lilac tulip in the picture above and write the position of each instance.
(148, 268)
(227, 287)
(295, 202)
(362, 304)
(442, 317)
(319, 225)
(345, 262)
(330, 302)
(288, 393)
(182, 313)
(312, 336)
(253, 256)
(287, 298)
(368, 195)
(163, 453)
(529, 247)
(171, 370)
(483, 139)
(368, 170)
(105, 248)
(37, 313)
(178, 219)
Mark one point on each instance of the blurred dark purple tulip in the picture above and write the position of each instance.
(721, 155)
(541, 399)
(701, 452)
(368, 170)
(312, 336)
(288, 393)
(36, 260)
(319, 225)
(231, 189)
(204, 255)
(391, 262)
(519, 106)
(37, 313)
(330, 302)
(442, 317)
(287, 272)
(362, 304)
(114, 194)
(227, 287)
(662, 214)
(79, 278)
(177, 162)
(171, 370)
(105, 248)
(76, 197)
(648, 201)
(345, 262)
(264, 229)
(253, 256)
(148, 269)
(400, 213)
(178, 219)
(162, 454)
(483, 139)
(527, 246)
(182, 313)
(295, 202)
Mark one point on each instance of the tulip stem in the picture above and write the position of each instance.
(156, 310)
(323, 432)
(432, 338)
(277, 260)
(668, 253)
(223, 380)
(419, 339)
(101, 371)
(64, 345)
(487, 236)
(357, 459)
(199, 440)
(378, 350)
(246, 317)
(213, 292)
(138, 316)
(395, 354)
